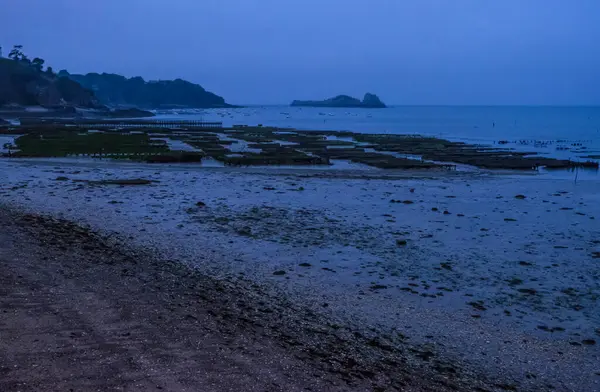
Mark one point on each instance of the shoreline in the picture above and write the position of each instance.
(338, 358)
(277, 115)
(363, 282)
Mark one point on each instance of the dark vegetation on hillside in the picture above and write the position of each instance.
(25, 82)
(112, 89)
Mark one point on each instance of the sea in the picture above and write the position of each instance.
(567, 132)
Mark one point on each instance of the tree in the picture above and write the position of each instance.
(38, 64)
(16, 53)
(49, 71)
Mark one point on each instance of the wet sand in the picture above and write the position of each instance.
(465, 279)
(83, 312)
(79, 314)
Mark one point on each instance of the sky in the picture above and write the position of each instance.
(413, 52)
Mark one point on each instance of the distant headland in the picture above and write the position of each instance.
(25, 83)
(117, 90)
(344, 101)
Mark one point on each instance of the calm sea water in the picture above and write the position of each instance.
(565, 132)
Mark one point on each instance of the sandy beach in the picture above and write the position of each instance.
(262, 196)
(475, 279)
(80, 314)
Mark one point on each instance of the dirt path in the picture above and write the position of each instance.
(79, 313)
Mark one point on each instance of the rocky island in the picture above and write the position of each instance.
(344, 101)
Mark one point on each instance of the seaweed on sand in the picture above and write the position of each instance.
(276, 156)
(68, 143)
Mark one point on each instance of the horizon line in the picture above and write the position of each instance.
(434, 105)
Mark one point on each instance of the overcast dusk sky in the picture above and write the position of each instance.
(273, 51)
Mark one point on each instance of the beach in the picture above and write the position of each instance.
(379, 196)
(480, 276)
(80, 314)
